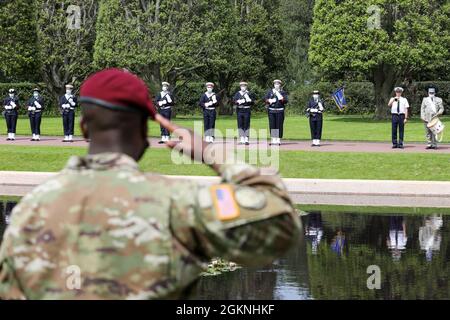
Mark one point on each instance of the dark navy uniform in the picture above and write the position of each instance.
(276, 102)
(11, 104)
(68, 105)
(399, 110)
(165, 101)
(209, 102)
(314, 111)
(243, 102)
(35, 108)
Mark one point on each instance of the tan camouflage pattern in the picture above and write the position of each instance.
(133, 235)
(428, 111)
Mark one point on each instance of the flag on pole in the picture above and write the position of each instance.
(339, 99)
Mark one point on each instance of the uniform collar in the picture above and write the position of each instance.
(102, 161)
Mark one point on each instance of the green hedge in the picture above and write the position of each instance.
(24, 91)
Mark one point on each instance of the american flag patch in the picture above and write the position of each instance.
(224, 202)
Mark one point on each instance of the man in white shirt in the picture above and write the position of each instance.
(431, 108)
(399, 110)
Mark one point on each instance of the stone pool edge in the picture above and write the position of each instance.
(374, 193)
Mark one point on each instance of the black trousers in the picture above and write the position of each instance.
(166, 113)
(35, 122)
(398, 122)
(209, 122)
(68, 122)
(11, 121)
(276, 123)
(315, 124)
(243, 122)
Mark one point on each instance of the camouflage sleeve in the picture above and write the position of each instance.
(9, 285)
(248, 218)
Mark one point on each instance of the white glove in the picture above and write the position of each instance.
(8, 107)
(207, 104)
(241, 101)
(31, 109)
(72, 102)
(169, 99)
(66, 106)
(13, 105)
(214, 100)
(272, 101)
(320, 107)
(37, 104)
(247, 98)
(279, 96)
(160, 103)
(314, 110)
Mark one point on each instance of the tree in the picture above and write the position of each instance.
(383, 41)
(180, 41)
(19, 56)
(66, 38)
(296, 23)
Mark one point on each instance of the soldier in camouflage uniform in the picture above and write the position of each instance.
(103, 229)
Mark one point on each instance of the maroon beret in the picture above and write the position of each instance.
(117, 89)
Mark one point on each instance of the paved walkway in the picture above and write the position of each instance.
(327, 146)
(303, 191)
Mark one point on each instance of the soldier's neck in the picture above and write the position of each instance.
(113, 146)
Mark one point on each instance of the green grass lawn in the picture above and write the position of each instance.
(293, 164)
(356, 128)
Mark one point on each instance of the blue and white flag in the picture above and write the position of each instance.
(339, 99)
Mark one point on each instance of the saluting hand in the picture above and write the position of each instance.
(189, 144)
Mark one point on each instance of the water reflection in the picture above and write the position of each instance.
(397, 238)
(430, 236)
(332, 255)
(331, 258)
(313, 230)
(5, 214)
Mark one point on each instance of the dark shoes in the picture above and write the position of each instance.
(431, 147)
(394, 146)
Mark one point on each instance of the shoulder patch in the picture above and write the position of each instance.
(250, 198)
(225, 202)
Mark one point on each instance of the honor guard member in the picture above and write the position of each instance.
(68, 104)
(35, 108)
(276, 100)
(209, 101)
(431, 108)
(11, 105)
(243, 100)
(399, 110)
(314, 111)
(165, 102)
(101, 219)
